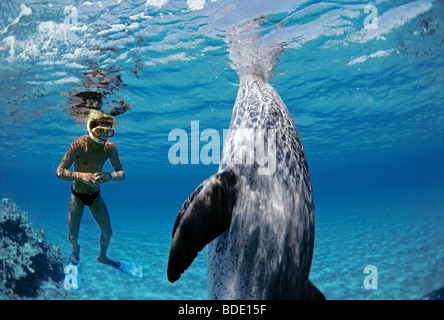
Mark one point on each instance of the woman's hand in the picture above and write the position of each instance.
(101, 177)
(95, 179)
(89, 179)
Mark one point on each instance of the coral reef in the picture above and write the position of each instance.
(29, 266)
(435, 295)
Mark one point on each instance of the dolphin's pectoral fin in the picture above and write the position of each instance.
(312, 293)
(204, 216)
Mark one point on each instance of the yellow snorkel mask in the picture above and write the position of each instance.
(100, 127)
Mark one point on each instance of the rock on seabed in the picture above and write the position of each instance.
(27, 262)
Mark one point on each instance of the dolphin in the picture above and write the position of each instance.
(256, 214)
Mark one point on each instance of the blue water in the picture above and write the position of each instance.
(368, 104)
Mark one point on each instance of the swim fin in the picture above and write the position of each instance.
(125, 266)
(72, 274)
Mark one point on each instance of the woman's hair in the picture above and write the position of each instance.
(97, 122)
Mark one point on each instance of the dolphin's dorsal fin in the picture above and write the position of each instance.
(204, 216)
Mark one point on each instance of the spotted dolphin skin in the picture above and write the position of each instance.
(256, 214)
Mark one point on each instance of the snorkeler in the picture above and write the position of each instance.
(88, 154)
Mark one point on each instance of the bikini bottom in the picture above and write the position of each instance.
(86, 198)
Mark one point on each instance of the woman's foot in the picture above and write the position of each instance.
(109, 262)
(75, 255)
